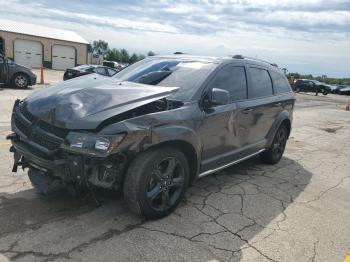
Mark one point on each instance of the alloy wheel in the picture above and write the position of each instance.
(279, 143)
(21, 81)
(165, 184)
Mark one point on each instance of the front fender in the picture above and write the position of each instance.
(176, 133)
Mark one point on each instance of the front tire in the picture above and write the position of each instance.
(20, 81)
(274, 154)
(156, 182)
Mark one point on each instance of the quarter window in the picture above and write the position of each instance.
(280, 84)
(261, 84)
(233, 79)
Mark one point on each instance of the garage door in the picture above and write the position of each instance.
(63, 57)
(28, 53)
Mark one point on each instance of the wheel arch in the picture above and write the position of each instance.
(188, 150)
(19, 73)
(284, 118)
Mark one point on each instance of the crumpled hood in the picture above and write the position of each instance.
(84, 102)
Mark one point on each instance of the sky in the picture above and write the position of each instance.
(306, 36)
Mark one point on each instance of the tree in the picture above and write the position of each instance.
(141, 57)
(100, 46)
(150, 53)
(89, 48)
(114, 55)
(133, 59)
(124, 56)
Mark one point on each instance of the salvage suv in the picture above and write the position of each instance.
(153, 128)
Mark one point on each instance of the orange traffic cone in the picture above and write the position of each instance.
(347, 108)
(41, 75)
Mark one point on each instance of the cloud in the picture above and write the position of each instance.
(200, 17)
(290, 32)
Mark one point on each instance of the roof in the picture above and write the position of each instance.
(41, 31)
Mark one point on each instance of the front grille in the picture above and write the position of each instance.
(45, 141)
(37, 131)
(23, 109)
(20, 124)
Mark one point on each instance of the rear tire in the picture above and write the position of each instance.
(274, 154)
(156, 182)
(45, 184)
(324, 92)
(20, 81)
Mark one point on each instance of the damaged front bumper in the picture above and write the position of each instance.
(72, 156)
(71, 168)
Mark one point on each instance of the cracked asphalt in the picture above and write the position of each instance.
(297, 210)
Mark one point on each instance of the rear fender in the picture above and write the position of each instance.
(284, 115)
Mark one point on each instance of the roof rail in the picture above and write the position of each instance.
(254, 58)
(238, 57)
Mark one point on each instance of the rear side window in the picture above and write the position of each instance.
(101, 71)
(91, 70)
(280, 84)
(232, 79)
(261, 84)
(111, 72)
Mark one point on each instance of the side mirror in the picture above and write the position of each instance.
(219, 97)
(9, 61)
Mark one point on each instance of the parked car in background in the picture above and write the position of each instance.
(345, 91)
(12, 74)
(333, 88)
(339, 88)
(88, 69)
(111, 64)
(306, 85)
(153, 128)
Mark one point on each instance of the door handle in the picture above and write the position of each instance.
(248, 110)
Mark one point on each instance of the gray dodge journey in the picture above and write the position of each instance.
(153, 128)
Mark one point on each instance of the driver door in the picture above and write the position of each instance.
(218, 130)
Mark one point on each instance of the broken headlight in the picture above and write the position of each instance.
(92, 143)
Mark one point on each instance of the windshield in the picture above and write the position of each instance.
(187, 75)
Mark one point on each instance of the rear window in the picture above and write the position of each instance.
(280, 84)
(261, 84)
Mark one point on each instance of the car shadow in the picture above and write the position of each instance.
(234, 205)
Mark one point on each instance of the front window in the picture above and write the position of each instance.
(188, 75)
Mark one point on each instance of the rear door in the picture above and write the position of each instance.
(256, 115)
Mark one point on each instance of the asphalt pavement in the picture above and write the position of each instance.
(297, 210)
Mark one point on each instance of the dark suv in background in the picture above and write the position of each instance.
(153, 128)
(305, 85)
